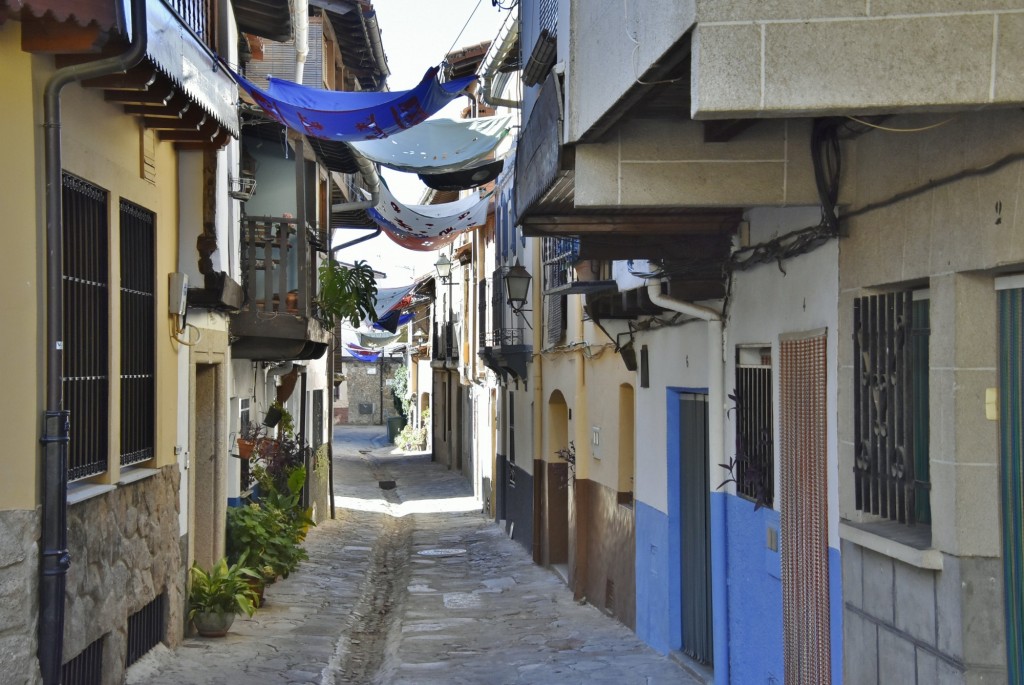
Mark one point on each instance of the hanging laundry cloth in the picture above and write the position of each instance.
(439, 145)
(374, 339)
(428, 227)
(465, 179)
(361, 353)
(353, 116)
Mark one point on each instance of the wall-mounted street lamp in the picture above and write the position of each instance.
(517, 285)
(444, 269)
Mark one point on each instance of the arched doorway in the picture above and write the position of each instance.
(555, 489)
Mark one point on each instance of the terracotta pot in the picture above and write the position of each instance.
(245, 448)
(213, 624)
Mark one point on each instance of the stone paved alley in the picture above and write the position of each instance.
(369, 608)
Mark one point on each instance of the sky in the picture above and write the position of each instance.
(417, 34)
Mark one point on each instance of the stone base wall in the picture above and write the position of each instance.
(903, 624)
(19, 595)
(125, 551)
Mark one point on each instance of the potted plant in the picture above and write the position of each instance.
(215, 596)
(247, 438)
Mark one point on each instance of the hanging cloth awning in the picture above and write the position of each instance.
(439, 145)
(374, 339)
(347, 116)
(428, 227)
(361, 353)
(465, 179)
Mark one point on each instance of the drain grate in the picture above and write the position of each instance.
(441, 552)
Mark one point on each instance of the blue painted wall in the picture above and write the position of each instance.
(755, 597)
(653, 588)
(755, 593)
(835, 587)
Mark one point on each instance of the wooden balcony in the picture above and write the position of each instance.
(278, 318)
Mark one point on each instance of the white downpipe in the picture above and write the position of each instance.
(300, 21)
(716, 456)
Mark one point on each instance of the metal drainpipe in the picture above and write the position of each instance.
(539, 460)
(54, 557)
(368, 171)
(716, 456)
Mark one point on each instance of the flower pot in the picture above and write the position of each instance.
(213, 624)
(245, 448)
(268, 448)
(272, 418)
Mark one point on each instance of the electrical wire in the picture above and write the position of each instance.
(890, 129)
(636, 48)
(471, 14)
(177, 331)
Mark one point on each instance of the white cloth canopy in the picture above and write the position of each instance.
(438, 145)
(427, 227)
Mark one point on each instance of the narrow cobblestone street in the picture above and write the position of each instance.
(370, 607)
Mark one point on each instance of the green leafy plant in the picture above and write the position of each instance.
(400, 391)
(223, 589)
(412, 438)
(271, 532)
(286, 425)
(346, 293)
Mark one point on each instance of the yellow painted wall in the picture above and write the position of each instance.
(20, 260)
(102, 145)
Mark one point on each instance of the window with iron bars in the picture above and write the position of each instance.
(755, 444)
(86, 313)
(138, 364)
(557, 256)
(891, 470)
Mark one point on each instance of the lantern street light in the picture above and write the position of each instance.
(444, 268)
(517, 285)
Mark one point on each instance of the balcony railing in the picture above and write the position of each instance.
(278, 318)
(503, 345)
(198, 16)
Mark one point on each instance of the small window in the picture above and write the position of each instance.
(891, 406)
(755, 435)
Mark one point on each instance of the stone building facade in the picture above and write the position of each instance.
(369, 387)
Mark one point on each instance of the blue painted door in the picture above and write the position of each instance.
(695, 530)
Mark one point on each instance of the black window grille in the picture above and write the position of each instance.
(558, 256)
(137, 325)
(86, 668)
(86, 316)
(891, 405)
(755, 461)
(317, 438)
(145, 629)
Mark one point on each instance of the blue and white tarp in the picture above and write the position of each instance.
(353, 116)
(439, 145)
(428, 227)
(361, 353)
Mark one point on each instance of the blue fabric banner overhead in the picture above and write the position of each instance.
(361, 353)
(348, 116)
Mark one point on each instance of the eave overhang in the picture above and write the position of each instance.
(270, 19)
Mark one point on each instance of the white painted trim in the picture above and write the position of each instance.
(928, 559)
(1010, 282)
